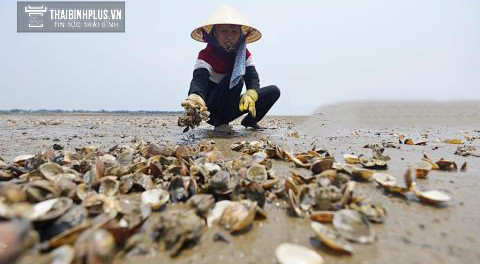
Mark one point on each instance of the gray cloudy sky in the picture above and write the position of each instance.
(317, 52)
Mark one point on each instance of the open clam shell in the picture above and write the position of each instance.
(257, 173)
(238, 215)
(322, 165)
(49, 170)
(155, 198)
(331, 238)
(293, 202)
(362, 174)
(433, 197)
(109, 185)
(422, 169)
(351, 159)
(288, 253)
(353, 226)
(216, 213)
(50, 209)
(446, 165)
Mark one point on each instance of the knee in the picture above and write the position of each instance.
(275, 91)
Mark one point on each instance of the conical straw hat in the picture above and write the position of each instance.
(227, 15)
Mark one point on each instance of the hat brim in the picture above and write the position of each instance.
(252, 37)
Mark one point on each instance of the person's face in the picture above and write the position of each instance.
(227, 35)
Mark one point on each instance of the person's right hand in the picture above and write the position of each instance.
(195, 112)
(194, 101)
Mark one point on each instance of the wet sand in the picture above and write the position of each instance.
(412, 233)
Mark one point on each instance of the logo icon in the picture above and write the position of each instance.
(35, 15)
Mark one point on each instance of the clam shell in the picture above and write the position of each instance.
(433, 197)
(109, 185)
(422, 169)
(351, 159)
(446, 165)
(293, 202)
(69, 236)
(331, 238)
(238, 215)
(353, 226)
(384, 179)
(63, 255)
(50, 169)
(216, 213)
(156, 198)
(50, 209)
(22, 158)
(322, 165)
(288, 253)
(362, 174)
(257, 173)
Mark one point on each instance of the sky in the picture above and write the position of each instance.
(316, 52)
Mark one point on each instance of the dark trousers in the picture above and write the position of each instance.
(223, 103)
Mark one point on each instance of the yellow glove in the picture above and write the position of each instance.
(197, 101)
(247, 102)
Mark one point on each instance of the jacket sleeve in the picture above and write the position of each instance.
(200, 83)
(252, 80)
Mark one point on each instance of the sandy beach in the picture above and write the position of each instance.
(412, 233)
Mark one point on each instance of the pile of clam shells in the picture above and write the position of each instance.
(94, 206)
(327, 195)
(193, 115)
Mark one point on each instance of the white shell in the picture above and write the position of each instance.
(288, 253)
(156, 198)
(433, 196)
(217, 212)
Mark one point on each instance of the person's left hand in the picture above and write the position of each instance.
(247, 102)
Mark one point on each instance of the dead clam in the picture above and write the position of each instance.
(322, 164)
(41, 190)
(389, 184)
(446, 165)
(75, 216)
(288, 253)
(176, 228)
(257, 173)
(292, 200)
(353, 226)
(373, 211)
(109, 185)
(217, 211)
(362, 174)
(238, 215)
(433, 197)
(223, 183)
(50, 209)
(422, 169)
(49, 170)
(155, 198)
(181, 188)
(351, 159)
(373, 163)
(331, 238)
